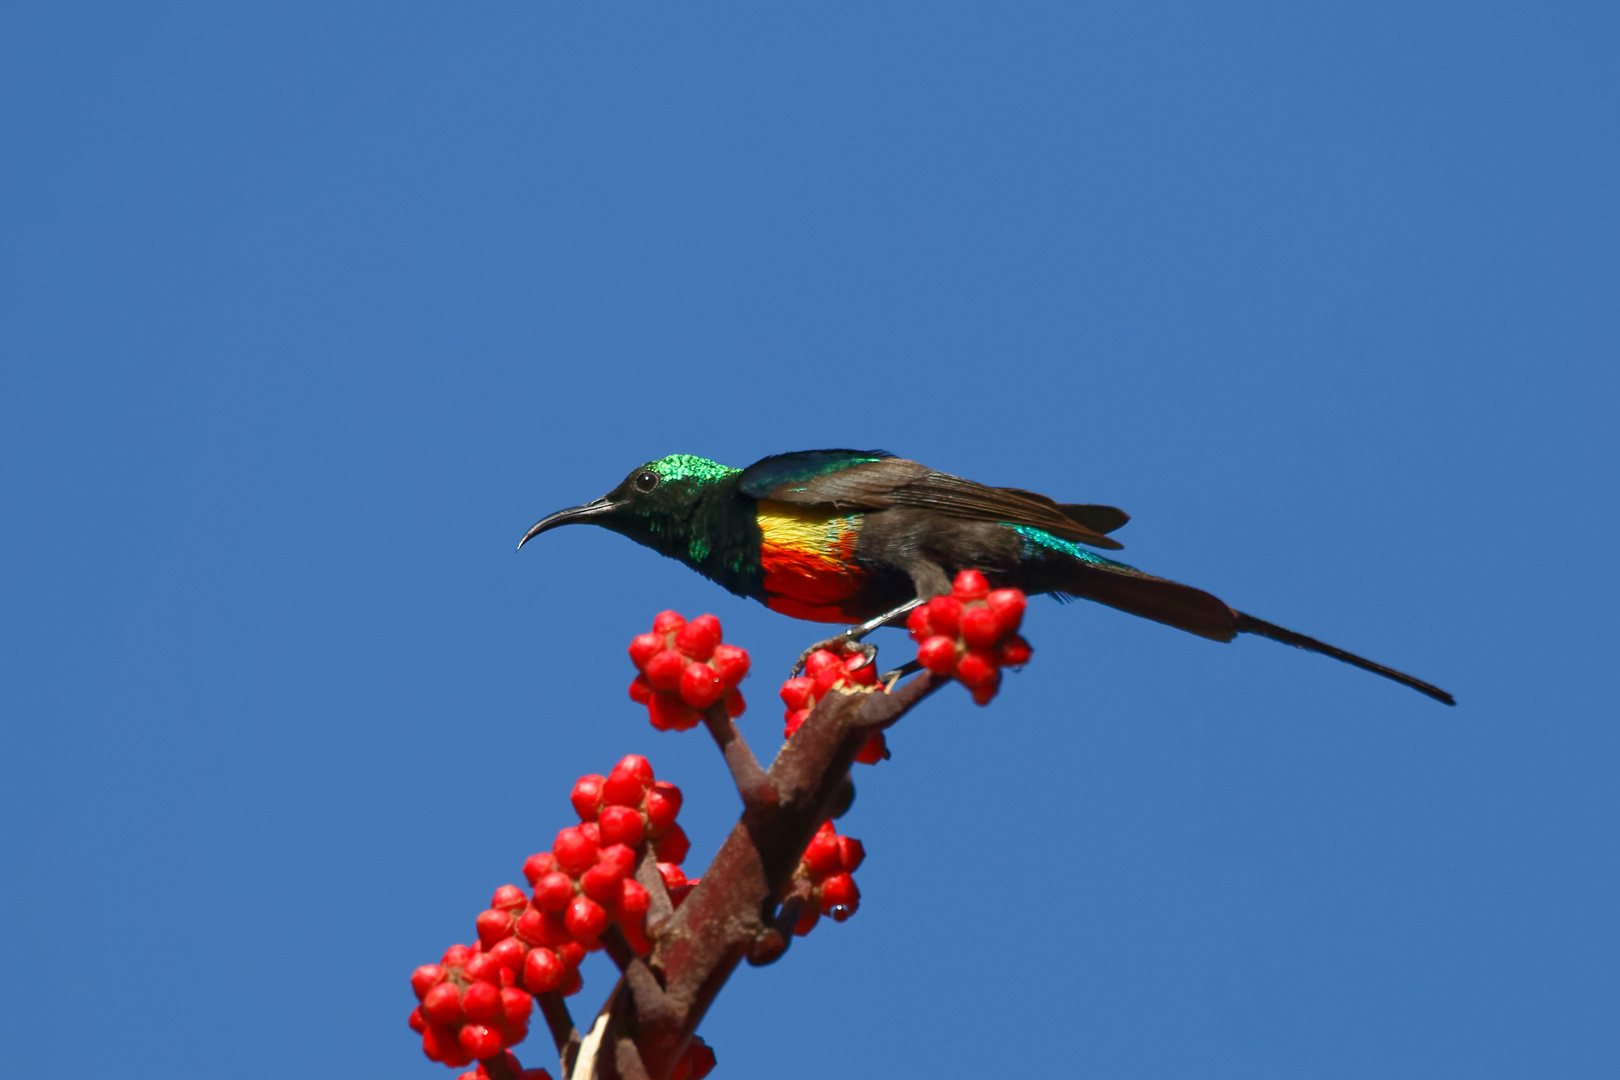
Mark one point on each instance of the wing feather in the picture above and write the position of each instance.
(872, 480)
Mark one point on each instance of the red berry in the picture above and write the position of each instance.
(442, 1005)
(731, 663)
(821, 856)
(799, 693)
(938, 654)
(983, 695)
(620, 857)
(839, 897)
(795, 720)
(859, 672)
(698, 638)
(851, 853)
(874, 750)
(480, 968)
(696, 1063)
(1008, 604)
(424, 978)
(571, 953)
(508, 952)
(945, 615)
(663, 803)
(542, 971)
(621, 825)
(735, 705)
(1015, 652)
(669, 713)
(976, 669)
(586, 919)
(538, 866)
(587, 796)
(530, 927)
(673, 876)
(591, 831)
(980, 628)
(664, 670)
(641, 690)
(493, 925)
(575, 850)
(970, 585)
(678, 896)
(601, 882)
(823, 660)
(826, 679)
(668, 622)
(516, 1005)
(572, 983)
(627, 781)
(636, 938)
(552, 892)
(439, 1043)
(807, 920)
(643, 647)
(482, 1002)
(672, 846)
(634, 901)
(700, 686)
(917, 623)
(508, 898)
(455, 956)
(417, 1021)
(480, 1041)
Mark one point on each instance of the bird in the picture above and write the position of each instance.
(863, 536)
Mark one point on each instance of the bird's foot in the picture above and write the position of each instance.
(843, 645)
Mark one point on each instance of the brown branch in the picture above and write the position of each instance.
(560, 1023)
(753, 784)
(734, 911)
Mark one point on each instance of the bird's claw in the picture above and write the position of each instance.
(842, 645)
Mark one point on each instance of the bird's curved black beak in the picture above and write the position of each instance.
(589, 512)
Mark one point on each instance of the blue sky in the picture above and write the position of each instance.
(308, 311)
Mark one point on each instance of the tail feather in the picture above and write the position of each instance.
(1198, 612)
(1248, 624)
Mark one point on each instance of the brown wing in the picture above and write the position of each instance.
(1103, 519)
(878, 485)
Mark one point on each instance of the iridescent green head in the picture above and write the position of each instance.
(665, 504)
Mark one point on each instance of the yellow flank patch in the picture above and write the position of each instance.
(807, 531)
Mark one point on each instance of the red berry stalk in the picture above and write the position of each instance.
(824, 878)
(685, 668)
(826, 672)
(972, 633)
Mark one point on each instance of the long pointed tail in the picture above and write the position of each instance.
(1248, 624)
(1197, 612)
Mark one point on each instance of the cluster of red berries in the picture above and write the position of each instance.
(470, 1009)
(824, 673)
(827, 865)
(971, 633)
(684, 670)
(476, 1001)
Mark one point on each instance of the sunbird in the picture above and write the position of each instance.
(862, 537)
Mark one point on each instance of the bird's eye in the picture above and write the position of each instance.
(646, 481)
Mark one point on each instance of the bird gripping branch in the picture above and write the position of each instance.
(862, 536)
